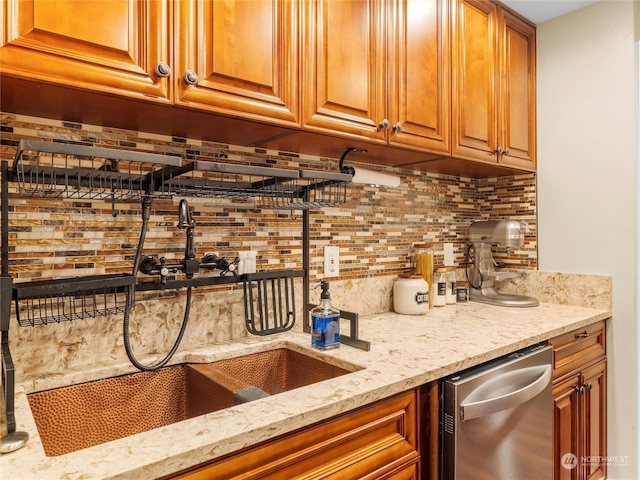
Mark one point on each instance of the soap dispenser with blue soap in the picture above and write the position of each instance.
(325, 322)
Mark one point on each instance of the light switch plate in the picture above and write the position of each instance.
(331, 261)
(448, 255)
(247, 263)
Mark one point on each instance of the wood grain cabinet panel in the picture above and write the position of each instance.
(377, 71)
(595, 414)
(419, 72)
(244, 55)
(580, 404)
(344, 66)
(493, 98)
(379, 441)
(475, 80)
(517, 96)
(566, 436)
(108, 46)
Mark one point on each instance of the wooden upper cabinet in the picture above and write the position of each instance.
(449, 82)
(377, 71)
(517, 91)
(419, 75)
(110, 46)
(242, 57)
(493, 98)
(475, 81)
(344, 68)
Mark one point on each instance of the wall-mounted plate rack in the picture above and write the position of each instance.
(53, 169)
(276, 188)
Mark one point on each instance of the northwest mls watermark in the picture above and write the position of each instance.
(570, 460)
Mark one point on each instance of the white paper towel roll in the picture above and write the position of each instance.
(370, 177)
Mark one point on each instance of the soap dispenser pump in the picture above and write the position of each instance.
(325, 322)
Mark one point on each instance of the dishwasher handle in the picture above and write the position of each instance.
(482, 408)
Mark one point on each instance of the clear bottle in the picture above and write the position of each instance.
(325, 322)
(451, 295)
(462, 291)
(424, 266)
(440, 287)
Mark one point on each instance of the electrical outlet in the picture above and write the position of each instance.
(331, 261)
(247, 263)
(448, 255)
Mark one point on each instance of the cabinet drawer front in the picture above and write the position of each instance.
(573, 350)
(378, 441)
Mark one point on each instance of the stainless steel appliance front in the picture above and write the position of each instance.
(497, 419)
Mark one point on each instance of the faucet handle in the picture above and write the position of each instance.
(212, 261)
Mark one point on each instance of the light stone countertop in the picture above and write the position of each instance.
(406, 351)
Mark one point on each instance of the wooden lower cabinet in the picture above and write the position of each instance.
(580, 404)
(379, 441)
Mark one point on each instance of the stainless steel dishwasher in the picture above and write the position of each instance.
(497, 419)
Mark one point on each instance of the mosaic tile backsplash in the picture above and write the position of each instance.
(376, 229)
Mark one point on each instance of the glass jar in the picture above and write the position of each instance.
(451, 294)
(411, 295)
(462, 291)
(440, 287)
(424, 266)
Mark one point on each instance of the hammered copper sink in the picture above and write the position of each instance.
(79, 416)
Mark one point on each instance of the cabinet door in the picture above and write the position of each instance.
(375, 442)
(245, 56)
(419, 74)
(111, 46)
(517, 92)
(474, 80)
(566, 423)
(344, 65)
(594, 421)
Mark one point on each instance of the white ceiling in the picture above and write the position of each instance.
(539, 11)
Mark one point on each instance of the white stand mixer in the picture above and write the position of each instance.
(482, 235)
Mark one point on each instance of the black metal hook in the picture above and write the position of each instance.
(349, 170)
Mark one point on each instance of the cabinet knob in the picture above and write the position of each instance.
(505, 152)
(384, 124)
(588, 386)
(579, 388)
(582, 335)
(190, 77)
(498, 150)
(162, 70)
(397, 127)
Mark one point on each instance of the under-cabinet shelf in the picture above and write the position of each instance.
(53, 169)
